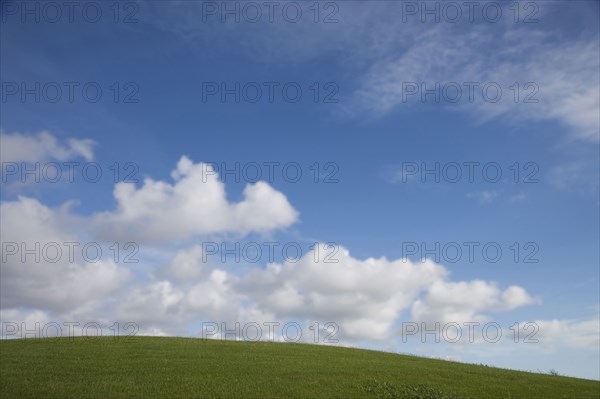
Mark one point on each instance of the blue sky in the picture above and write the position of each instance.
(372, 131)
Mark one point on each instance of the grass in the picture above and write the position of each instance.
(152, 367)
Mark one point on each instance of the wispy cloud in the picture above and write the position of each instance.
(582, 176)
(557, 79)
(483, 197)
(521, 197)
(380, 52)
(44, 146)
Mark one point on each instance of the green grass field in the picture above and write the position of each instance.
(151, 367)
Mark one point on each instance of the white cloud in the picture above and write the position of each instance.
(581, 176)
(365, 298)
(185, 266)
(19, 317)
(379, 50)
(59, 279)
(569, 333)
(564, 73)
(465, 301)
(569, 346)
(18, 147)
(483, 197)
(154, 307)
(195, 204)
(517, 198)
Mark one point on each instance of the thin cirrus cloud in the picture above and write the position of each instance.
(194, 204)
(483, 197)
(581, 176)
(556, 75)
(563, 73)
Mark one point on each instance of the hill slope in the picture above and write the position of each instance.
(151, 367)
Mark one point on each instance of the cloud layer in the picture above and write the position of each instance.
(367, 299)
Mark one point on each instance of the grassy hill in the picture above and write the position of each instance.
(151, 367)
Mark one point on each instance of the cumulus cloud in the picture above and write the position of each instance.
(154, 308)
(194, 204)
(364, 298)
(43, 265)
(569, 333)
(185, 266)
(44, 146)
(465, 301)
